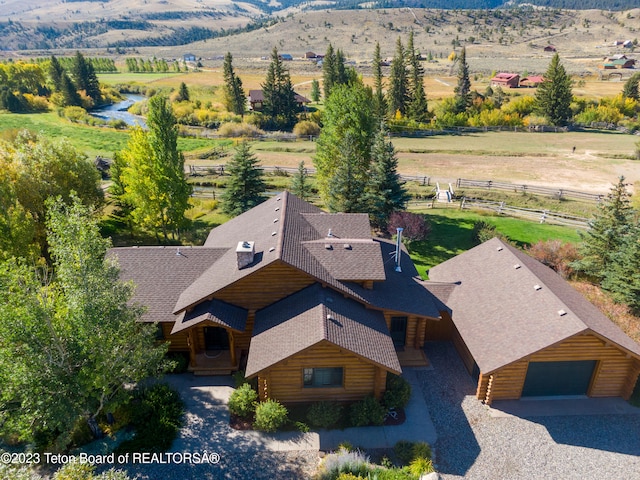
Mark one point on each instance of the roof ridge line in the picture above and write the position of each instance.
(280, 240)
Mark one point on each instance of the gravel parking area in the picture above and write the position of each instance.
(474, 445)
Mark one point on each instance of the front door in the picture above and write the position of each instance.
(398, 331)
(216, 338)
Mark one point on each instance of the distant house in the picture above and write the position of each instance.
(310, 55)
(189, 57)
(287, 57)
(532, 81)
(550, 48)
(618, 61)
(510, 80)
(256, 100)
(627, 44)
(617, 42)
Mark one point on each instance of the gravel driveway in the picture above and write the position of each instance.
(474, 445)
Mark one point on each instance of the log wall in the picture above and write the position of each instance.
(284, 381)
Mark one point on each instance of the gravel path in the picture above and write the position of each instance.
(473, 445)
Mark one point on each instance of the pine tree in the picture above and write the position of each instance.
(315, 90)
(463, 89)
(386, 191)
(630, 89)
(398, 92)
(234, 98)
(55, 73)
(328, 71)
(183, 92)
(246, 187)
(622, 278)
(606, 234)
(300, 182)
(117, 191)
(553, 98)
(347, 185)
(379, 102)
(417, 108)
(70, 96)
(279, 98)
(85, 77)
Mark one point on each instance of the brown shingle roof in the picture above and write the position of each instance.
(314, 315)
(160, 274)
(213, 311)
(507, 306)
(349, 259)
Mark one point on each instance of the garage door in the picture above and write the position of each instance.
(558, 378)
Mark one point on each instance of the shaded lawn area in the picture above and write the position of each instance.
(452, 232)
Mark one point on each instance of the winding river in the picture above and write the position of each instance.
(118, 111)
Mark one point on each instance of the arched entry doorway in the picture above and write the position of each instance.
(216, 339)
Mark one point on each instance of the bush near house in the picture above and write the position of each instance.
(243, 401)
(270, 416)
(367, 412)
(398, 392)
(324, 414)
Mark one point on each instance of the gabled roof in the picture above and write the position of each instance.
(503, 76)
(284, 229)
(508, 305)
(258, 96)
(312, 316)
(213, 311)
(162, 273)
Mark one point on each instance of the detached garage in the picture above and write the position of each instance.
(523, 331)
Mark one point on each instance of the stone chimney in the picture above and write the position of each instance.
(245, 252)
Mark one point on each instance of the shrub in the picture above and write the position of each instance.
(398, 392)
(555, 254)
(324, 414)
(420, 465)
(243, 400)
(415, 227)
(306, 128)
(367, 412)
(177, 362)
(156, 416)
(341, 462)
(270, 416)
(231, 129)
(75, 114)
(406, 452)
(75, 471)
(483, 231)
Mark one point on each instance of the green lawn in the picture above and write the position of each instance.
(451, 234)
(128, 77)
(90, 140)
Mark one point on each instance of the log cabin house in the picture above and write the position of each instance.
(305, 301)
(315, 308)
(256, 100)
(523, 331)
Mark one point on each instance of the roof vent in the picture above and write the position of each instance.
(275, 220)
(329, 316)
(277, 208)
(328, 246)
(273, 234)
(499, 248)
(278, 199)
(562, 313)
(272, 249)
(347, 246)
(517, 266)
(330, 234)
(537, 287)
(245, 251)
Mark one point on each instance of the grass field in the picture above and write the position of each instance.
(451, 234)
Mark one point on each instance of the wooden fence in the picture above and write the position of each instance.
(542, 216)
(537, 190)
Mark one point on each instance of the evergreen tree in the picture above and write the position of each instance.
(246, 187)
(386, 190)
(300, 182)
(55, 73)
(417, 108)
(630, 89)
(463, 88)
(346, 138)
(347, 185)
(234, 98)
(398, 92)
(117, 191)
(341, 74)
(379, 102)
(328, 71)
(553, 98)
(279, 98)
(183, 92)
(70, 96)
(315, 90)
(606, 234)
(622, 277)
(154, 179)
(85, 77)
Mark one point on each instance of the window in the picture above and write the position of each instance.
(322, 377)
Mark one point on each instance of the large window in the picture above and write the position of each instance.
(322, 377)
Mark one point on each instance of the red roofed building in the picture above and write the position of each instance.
(510, 80)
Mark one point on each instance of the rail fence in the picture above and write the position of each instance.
(535, 189)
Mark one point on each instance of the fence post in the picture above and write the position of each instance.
(458, 183)
(544, 216)
(500, 207)
(560, 194)
(462, 203)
